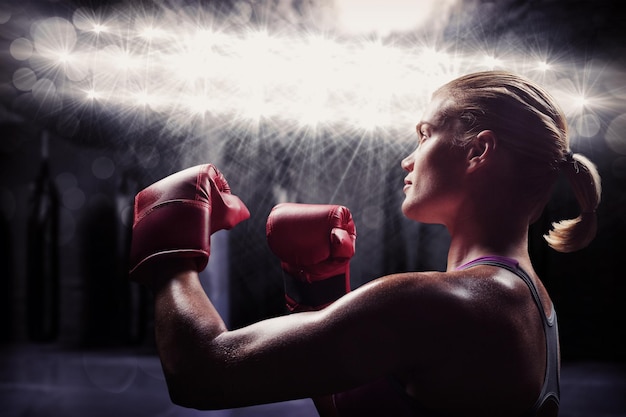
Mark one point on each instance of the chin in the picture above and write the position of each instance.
(409, 212)
(405, 209)
(412, 213)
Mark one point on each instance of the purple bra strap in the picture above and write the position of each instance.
(491, 258)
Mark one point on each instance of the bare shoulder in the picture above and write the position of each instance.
(458, 325)
(479, 288)
(437, 310)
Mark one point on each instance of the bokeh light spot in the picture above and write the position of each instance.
(21, 49)
(53, 37)
(372, 217)
(73, 198)
(65, 180)
(24, 79)
(5, 15)
(616, 136)
(103, 167)
(587, 125)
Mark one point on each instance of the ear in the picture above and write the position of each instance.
(480, 150)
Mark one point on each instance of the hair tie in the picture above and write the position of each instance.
(569, 159)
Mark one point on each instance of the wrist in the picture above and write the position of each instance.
(313, 295)
(160, 271)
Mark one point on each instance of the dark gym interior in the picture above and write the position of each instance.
(76, 337)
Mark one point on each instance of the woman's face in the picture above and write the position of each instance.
(434, 169)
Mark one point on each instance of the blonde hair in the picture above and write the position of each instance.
(527, 120)
(573, 234)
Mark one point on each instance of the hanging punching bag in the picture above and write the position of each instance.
(43, 254)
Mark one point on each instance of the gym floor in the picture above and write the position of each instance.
(47, 381)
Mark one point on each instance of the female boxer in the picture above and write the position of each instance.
(479, 339)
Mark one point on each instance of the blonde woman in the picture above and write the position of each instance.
(479, 339)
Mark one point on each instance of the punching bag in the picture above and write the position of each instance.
(43, 254)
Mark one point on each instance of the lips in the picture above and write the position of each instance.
(407, 185)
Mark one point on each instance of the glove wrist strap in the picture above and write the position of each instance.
(314, 294)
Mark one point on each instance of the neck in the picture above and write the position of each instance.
(484, 232)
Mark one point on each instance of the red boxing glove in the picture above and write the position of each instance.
(176, 216)
(314, 243)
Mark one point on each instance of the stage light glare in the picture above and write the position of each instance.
(198, 105)
(492, 62)
(124, 61)
(180, 67)
(143, 99)
(581, 102)
(386, 17)
(149, 33)
(99, 28)
(543, 66)
(93, 94)
(64, 57)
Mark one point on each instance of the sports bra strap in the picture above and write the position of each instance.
(548, 399)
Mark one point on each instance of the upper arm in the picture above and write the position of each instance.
(375, 330)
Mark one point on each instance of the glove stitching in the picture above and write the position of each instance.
(167, 203)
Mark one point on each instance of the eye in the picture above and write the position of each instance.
(423, 135)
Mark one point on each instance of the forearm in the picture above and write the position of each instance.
(174, 219)
(186, 325)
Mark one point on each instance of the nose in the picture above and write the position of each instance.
(407, 163)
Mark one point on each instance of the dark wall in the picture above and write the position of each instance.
(82, 292)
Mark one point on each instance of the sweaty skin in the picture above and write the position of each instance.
(472, 334)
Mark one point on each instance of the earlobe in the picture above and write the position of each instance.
(481, 149)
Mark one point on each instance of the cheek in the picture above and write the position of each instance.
(419, 207)
(415, 199)
(428, 195)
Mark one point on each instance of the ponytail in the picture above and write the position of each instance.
(574, 234)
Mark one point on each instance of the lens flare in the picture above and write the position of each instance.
(181, 66)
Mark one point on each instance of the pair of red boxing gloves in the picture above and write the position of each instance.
(175, 217)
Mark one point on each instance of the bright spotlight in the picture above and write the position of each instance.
(64, 57)
(581, 102)
(92, 94)
(543, 66)
(99, 28)
(150, 33)
(247, 73)
(491, 62)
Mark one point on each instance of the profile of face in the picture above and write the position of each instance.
(434, 179)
